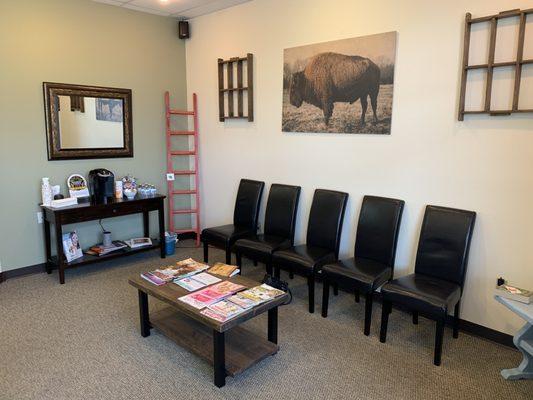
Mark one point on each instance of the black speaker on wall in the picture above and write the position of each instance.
(183, 30)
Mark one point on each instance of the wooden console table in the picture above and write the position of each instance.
(523, 340)
(90, 212)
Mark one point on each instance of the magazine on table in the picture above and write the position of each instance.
(139, 242)
(153, 278)
(182, 269)
(205, 297)
(223, 310)
(71, 246)
(514, 293)
(101, 250)
(222, 269)
(197, 281)
(256, 295)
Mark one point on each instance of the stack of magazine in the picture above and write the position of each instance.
(101, 250)
(182, 269)
(222, 269)
(226, 300)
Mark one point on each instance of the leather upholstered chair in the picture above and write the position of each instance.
(245, 217)
(280, 221)
(323, 240)
(374, 254)
(437, 283)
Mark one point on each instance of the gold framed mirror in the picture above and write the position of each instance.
(87, 121)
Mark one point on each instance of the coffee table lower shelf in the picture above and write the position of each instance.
(242, 347)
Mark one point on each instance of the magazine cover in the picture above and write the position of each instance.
(71, 246)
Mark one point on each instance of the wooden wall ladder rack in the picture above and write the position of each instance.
(173, 192)
(517, 63)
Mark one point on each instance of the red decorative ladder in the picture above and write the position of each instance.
(173, 192)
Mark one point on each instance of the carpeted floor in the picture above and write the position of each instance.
(81, 341)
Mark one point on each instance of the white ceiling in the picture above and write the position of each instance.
(182, 9)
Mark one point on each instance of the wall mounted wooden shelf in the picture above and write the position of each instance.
(227, 90)
(518, 63)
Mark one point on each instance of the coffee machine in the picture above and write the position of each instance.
(101, 185)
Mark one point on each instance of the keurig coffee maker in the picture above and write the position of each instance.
(101, 185)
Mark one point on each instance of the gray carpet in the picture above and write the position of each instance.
(81, 341)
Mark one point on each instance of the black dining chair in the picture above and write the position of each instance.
(437, 283)
(323, 240)
(280, 221)
(245, 217)
(374, 254)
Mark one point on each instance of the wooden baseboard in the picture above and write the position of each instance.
(466, 326)
(30, 270)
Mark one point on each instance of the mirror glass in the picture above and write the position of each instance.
(90, 122)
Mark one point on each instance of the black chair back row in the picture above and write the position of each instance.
(245, 217)
(325, 219)
(432, 290)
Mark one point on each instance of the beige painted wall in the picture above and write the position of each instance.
(79, 42)
(483, 164)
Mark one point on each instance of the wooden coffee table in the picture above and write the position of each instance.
(229, 347)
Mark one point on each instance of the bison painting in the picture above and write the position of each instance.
(329, 91)
(330, 77)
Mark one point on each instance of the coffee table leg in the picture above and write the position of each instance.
(273, 325)
(143, 313)
(219, 358)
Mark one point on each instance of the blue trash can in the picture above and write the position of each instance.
(170, 243)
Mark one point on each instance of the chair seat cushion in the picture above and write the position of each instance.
(357, 273)
(225, 234)
(302, 259)
(261, 247)
(423, 293)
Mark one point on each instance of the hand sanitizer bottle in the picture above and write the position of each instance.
(46, 192)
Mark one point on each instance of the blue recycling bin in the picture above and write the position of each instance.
(170, 244)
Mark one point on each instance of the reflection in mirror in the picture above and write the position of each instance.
(90, 122)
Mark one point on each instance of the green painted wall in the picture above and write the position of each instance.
(79, 42)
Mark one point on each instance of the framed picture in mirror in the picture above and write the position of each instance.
(87, 121)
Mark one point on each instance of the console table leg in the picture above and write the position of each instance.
(59, 252)
(273, 325)
(219, 361)
(161, 214)
(143, 314)
(522, 341)
(146, 223)
(48, 246)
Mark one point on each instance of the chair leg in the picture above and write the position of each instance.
(335, 289)
(206, 252)
(291, 275)
(357, 296)
(311, 285)
(269, 269)
(277, 272)
(368, 313)
(238, 257)
(325, 298)
(228, 255)
(439, 334)
(415, 317)
(255, 263)
(385, 311)
(456, 319)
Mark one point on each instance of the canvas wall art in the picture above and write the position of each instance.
(343, 86)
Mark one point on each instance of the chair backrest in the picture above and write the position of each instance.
(325, 219)
(444, 243)
(281, 209)
(378, 229)
(248, 203)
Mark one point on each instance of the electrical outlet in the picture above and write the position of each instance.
(39, 217)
